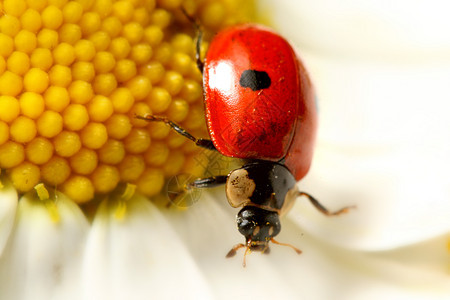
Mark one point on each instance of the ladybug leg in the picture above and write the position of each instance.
(322, 209)
(209, 182)
(199, 39)
(204, 143)
(198, 45)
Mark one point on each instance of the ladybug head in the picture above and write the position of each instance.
(258, 226)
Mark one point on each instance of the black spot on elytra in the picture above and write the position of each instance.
(256, 80)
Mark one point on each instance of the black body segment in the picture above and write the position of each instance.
(272, 183)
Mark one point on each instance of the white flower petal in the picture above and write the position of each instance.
(391, 163)
(383, 103)
(419, 271)
(322, 271)
(397, 30)
(41, 260)
(208, 229)
(138, 257)
(8, 207)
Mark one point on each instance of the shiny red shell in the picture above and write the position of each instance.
(275, 122)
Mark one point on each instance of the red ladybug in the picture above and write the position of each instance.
(260, 107)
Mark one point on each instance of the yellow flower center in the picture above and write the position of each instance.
(73, 74)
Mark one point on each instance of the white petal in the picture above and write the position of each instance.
(383, 140)
(326, 272)
(138, 257)
(397, 30)
(209, 231)
(42, 257)
(8, 207)
(322, 271)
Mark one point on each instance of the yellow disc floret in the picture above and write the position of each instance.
(10, 25)
(10, 84)
(70, 33)
(31, 104)
(84, 161)
(18, 62)
(67, 143)
(118, 126)
(11, 154)
(36, 80)
(151, 182)
(90, 22)
(80, 91)
(64, 54)
(41, 58)
(56, 98)
(112, 152)
(122, 100)
(55, 171)
(25, 41)
(31, 20)
(38, 5)
(105, 178)
(75, 117)
(105, 84)
(60, 75)
(101, 40)
(140, 87)
(104, 62)
(94, 135)
(52, 17)
(39, 150)
(79, 188)
(9, 108)
(137, 141)
(14, 7)
(84, 50)
(131, 168)
(47, 38)
(120, 48)
(72, 11)
(25, 176)
(74, 74)
(23, 129)
(49, 124)
(100, 108)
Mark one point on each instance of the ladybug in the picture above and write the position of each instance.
(260, 107)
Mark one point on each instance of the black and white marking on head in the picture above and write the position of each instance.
(256, 80)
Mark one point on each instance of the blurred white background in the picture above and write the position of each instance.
(382, 75)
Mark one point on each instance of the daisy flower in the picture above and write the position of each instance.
(85, 185)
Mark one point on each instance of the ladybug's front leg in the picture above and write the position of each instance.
(204, 143)
(209, 182)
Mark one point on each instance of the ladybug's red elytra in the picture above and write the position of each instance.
(260, 107)
(259, 100)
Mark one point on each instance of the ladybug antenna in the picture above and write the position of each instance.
(247, 247)
(233, 251)
(284, 244)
